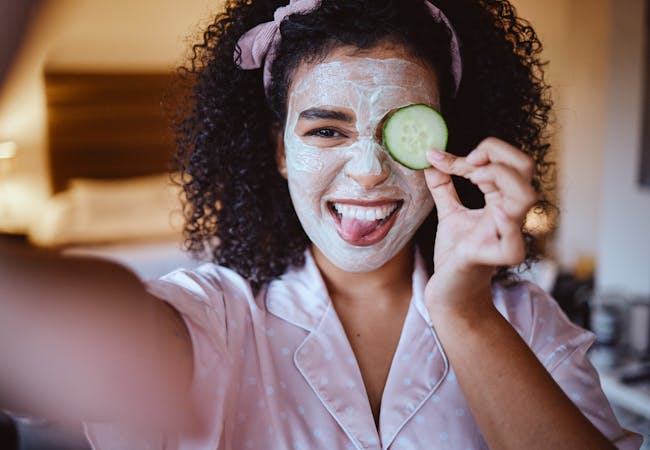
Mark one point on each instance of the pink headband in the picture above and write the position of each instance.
(257, 47)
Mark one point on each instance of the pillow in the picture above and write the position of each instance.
(99, 211)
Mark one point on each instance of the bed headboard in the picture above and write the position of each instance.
(106, 125)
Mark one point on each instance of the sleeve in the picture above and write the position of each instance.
(561, 347)
(200, 297)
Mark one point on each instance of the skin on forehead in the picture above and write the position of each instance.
(361, 89)
(370, 87)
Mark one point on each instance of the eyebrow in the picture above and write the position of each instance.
(320, 113)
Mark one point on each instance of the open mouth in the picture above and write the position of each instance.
(364, 224)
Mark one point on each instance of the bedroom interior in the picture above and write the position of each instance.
(84, 149)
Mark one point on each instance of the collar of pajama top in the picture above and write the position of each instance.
(326, 360)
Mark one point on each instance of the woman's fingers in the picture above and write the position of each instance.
(493, 150)
(500, 182)
(443, 192)
(515, 193)
(501, 243)
(504, 174)
(450, 164)
(511, 240)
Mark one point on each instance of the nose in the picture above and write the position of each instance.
(368, 165)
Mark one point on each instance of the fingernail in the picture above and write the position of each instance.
(436, 155)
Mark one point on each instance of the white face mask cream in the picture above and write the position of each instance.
(356, 204)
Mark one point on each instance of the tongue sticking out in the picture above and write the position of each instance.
(354, 229)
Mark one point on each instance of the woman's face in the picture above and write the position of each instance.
(356, 204)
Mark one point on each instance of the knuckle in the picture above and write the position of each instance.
(458, 166)
(436, 184)
(528, 166)
(491, 141)
(503, 169)
(530, 195)
(476, 151)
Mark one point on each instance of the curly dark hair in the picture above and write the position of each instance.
(237, 206)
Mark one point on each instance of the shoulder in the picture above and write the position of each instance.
(208, 298)
(209, 283)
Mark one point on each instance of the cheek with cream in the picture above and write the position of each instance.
(356, 204)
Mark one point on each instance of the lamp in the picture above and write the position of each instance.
(539, 222)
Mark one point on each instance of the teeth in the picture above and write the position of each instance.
(366, 213)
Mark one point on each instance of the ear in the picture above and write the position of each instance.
(280, 155)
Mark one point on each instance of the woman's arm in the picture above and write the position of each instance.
(516, 402)
(81, 338)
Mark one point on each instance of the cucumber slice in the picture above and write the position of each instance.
(412, 130)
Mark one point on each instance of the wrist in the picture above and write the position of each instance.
(463, 313)
(459, 291)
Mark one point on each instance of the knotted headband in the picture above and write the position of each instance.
(257, 47)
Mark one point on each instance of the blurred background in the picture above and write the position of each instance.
(83, 153)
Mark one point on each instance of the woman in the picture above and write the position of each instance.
(358, 303)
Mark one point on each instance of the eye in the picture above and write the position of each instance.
(325, 133)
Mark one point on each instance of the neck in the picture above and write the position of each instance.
(390, 281)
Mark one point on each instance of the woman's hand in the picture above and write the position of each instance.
(515, 401)
(82, 339)
(470, 244)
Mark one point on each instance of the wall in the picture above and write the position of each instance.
(14, 17)
(82, 34)
(581, 126)
(575, 35)
(596, 55)
(624, 244)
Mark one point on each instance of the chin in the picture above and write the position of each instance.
(360, 259)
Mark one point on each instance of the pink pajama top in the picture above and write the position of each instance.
(276, 371)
